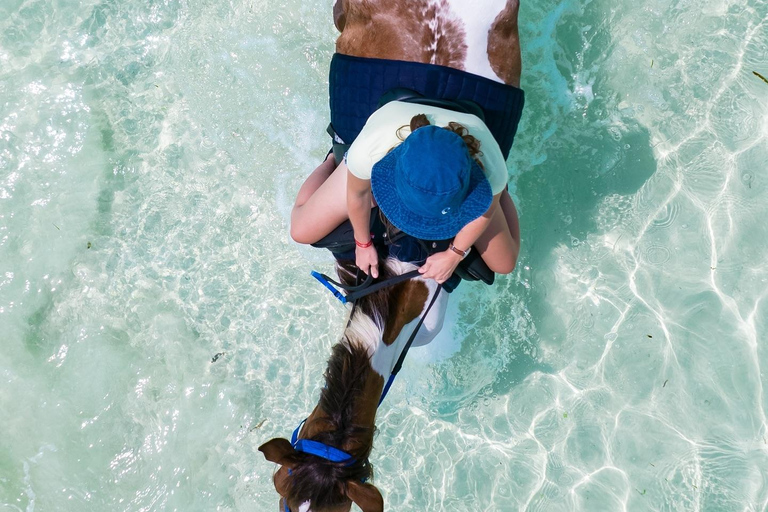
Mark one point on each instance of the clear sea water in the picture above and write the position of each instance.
(149, 154)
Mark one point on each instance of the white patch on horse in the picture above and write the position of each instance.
(476, 17)
(434, 25)
(385, 357)
(363, 329)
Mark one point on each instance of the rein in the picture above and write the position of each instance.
(355, 292)
(361, 290)
(408, 344)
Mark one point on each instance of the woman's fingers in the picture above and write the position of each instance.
(367, 260)
(373, 258)
(439, 266)
(429, 272)
(369, 269)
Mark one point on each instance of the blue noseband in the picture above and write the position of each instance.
(319, 449)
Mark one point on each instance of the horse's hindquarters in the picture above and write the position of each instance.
(479, 37)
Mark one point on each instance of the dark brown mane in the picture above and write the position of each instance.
(321, 481)
(376, 305)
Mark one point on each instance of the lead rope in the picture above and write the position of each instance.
(408, 344)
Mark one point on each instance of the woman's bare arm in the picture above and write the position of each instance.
(440, 266)
(359, 206)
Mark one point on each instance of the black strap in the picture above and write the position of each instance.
(411, 96)
(361, 290)
(367, 290)
(408, 344)
(348, 287)
(401, 359)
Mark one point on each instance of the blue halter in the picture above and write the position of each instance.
(319, 449)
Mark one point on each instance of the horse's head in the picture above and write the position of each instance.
(325, 467)
(309, 483)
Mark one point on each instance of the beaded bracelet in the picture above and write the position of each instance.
(362, 245)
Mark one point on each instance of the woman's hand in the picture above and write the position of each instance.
(367, 260)
(440, 266)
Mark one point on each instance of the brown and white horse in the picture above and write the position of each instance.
(480, 37)
(360, 364)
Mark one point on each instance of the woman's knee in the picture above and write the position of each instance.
(504, 265)
(301, 233)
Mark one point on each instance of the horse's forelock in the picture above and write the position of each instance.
(318, 482)
(323, 483)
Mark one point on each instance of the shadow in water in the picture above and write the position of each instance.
(578, 144)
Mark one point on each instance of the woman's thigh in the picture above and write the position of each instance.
(496, 245)
(323, 211)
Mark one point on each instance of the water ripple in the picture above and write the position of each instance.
(148, 156)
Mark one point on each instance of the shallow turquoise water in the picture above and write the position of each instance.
(149, 152)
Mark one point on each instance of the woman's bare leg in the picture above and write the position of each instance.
(499, 245)
(314, 180)
(321, 204)
(510, 213)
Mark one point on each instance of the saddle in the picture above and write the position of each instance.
(359, 86)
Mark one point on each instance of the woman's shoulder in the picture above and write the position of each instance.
(377, 137)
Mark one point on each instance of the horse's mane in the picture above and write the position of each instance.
(320, 481)
(376, 305)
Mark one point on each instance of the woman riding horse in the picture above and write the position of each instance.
(433, 160)
(439, 183)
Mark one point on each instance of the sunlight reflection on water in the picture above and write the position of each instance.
(149, 154)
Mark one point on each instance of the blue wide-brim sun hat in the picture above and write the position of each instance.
(429, 186)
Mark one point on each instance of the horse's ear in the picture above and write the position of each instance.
(276, 450)
(365, 496)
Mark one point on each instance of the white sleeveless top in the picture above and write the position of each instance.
(379, 135)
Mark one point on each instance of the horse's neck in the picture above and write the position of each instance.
(407, 304)
(368, 386)
(372, 343)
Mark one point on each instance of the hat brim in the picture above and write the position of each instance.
(477, 202)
